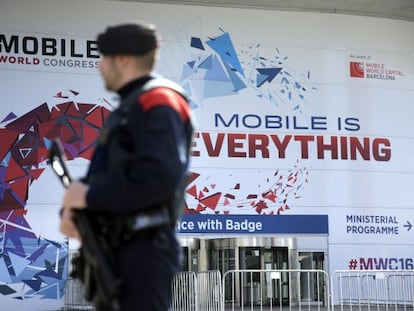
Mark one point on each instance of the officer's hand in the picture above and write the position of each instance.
(67, 226)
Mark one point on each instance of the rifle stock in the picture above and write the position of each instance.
(98, 277)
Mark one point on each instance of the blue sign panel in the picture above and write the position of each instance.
(253, 224)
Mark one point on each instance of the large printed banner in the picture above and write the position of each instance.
(290, 140)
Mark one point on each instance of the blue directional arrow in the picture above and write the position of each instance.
(266, 74)
(408, 225)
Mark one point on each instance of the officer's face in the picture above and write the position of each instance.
(110, 72)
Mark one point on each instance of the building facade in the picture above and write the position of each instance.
(301, 159)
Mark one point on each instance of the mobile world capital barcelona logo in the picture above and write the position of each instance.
(370, 70)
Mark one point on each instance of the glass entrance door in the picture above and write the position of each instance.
(277, 284)
(253, 254)
(224, 260)
(251, 259)
(312, 287)
(265, 288)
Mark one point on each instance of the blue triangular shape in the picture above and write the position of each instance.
(6, 290)
(217, 89)
(50, 292)
(33, 284)
(18, 263)
(187, 71)
(10, 116)
(238, 84)
(47, 142)
(4, 272)
(207, 63)
(196, 43)
(260, 79)
(54, 243)
(217, 72)
(37, 253)
(6, 159)
(224, 47)
(266, 74)
(193, 104)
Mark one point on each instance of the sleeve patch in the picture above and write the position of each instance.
(162, 96)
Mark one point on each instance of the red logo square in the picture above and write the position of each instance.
(356, 69)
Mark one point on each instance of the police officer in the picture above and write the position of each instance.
(137, 174)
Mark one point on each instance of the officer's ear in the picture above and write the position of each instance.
(122, 60)
(129, 63)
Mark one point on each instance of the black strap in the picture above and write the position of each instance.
(153, 219)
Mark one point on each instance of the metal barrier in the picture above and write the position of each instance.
(373, 289)
(74, 291)
(190, 292)
(184, 292)
(276, 289)
(210, 291)
(196, 291)
(74, 296)
(280, 289)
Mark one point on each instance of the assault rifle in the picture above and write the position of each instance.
(94, 266)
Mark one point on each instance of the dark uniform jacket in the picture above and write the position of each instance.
(139, 164)
(156, 130)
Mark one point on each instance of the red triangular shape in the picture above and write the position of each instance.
(20, 188)
(212, 201)
(89, 136)
(95, 118)
(64, 106)
(193, 176)
(87, 153)
(192, 191)
(8, 138)
(35, 173)
(14, 171)
(9, 202)
(85, 108)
